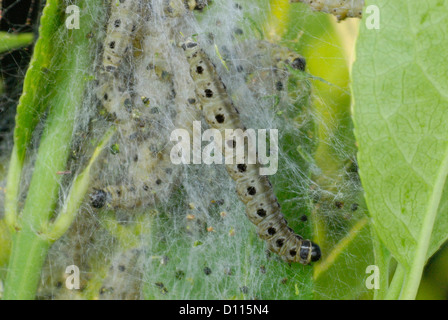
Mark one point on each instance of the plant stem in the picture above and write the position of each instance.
(415, 273)
(396, 285)
(10, 41)
(382, 260)
(30, 245)
(12, 189)
(337, 250)
(24, 269)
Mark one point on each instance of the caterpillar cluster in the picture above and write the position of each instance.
(254, 190)
(140, 125)
(123, 279)
(262, 207)
(340, 8)
(138, 171)
(120, 281)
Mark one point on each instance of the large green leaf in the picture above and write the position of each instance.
(400, 85)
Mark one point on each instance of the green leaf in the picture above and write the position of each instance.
(5, 244)
(34, 100)
(35, 92)
(400, 90)
(10, 41)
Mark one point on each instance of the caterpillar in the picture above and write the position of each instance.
(266, 67)
(121, 28)
(149, 171)
(123, 279)
(279, 56)
(177, 8)
(340, 8)
(254, 190)
(138, 122)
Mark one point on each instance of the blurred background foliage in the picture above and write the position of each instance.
(328, 47)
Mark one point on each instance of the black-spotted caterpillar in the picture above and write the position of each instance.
(262, 207)
(340, 8)
(121, 28)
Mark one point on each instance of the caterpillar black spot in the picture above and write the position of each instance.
(340, 8)
(262, 207)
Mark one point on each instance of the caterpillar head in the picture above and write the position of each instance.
(289, 57)
(196, 4)
(99, 198)
(189, 45)
(299, 63)
(309, 252)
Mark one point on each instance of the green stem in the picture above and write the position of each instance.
(382, 260)
(396, 285)
(29, 248)
(339, 248)
(30, 245)
(24, 269)
(415, 273)
(12, 190)
(10, 41)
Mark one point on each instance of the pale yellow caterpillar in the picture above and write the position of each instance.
(280, 57)
(148, 189)
(340, 8)
(266, 67)
(262, 207)
(121, 28)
